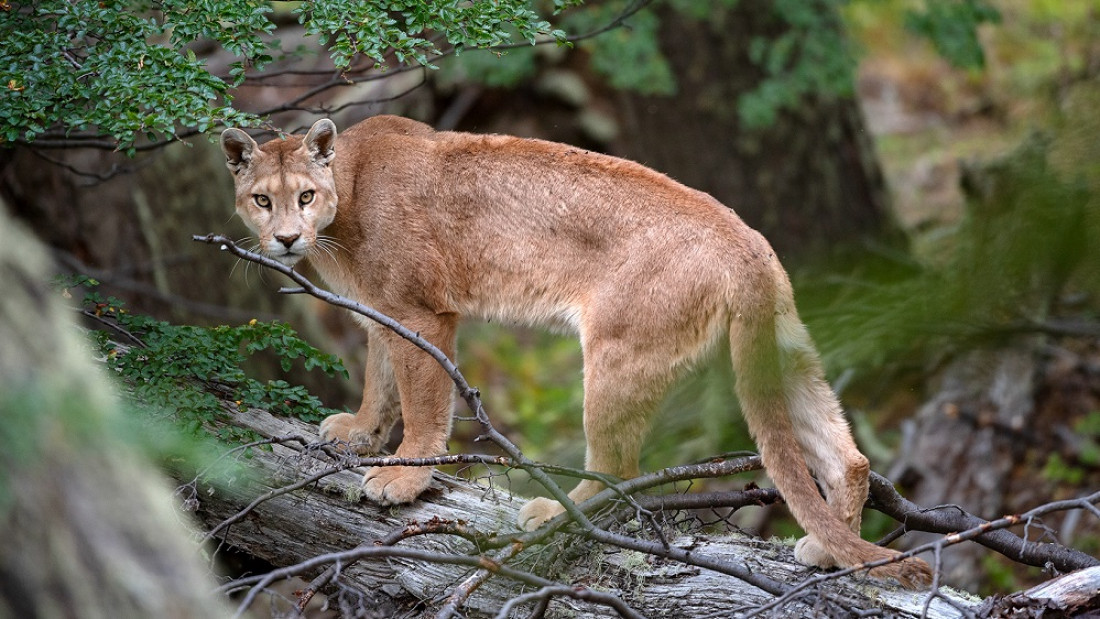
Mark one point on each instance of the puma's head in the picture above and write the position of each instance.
(285, 190)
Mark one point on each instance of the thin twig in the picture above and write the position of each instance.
(466, 588)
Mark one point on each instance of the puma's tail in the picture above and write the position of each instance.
(798, 425)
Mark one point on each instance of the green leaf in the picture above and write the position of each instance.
(952, 27)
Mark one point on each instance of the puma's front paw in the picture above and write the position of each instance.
(808, 551)
(342, 427)
(538, 512)
(390, 485)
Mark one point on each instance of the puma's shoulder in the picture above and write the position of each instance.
(387, 125)
(383, 132)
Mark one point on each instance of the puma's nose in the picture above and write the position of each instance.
(287, 239)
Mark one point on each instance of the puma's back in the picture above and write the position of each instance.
(527, 230)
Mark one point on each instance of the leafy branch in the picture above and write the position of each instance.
(127, 74)
(172, 368)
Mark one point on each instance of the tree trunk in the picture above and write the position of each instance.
(89, 525)
(328, 517)
(982, 400)
(809, 182)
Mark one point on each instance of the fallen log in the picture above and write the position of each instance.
(447, 536)
(1076, 594)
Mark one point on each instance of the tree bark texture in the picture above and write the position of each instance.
(1073, 595)
(809, 183)
(328, 517)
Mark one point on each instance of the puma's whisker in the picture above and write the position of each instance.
(240, 241)
(328, 246)
(331, 242)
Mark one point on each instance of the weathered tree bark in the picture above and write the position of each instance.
(328, 517)
(1073, 595)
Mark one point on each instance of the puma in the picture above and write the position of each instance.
(431, 227)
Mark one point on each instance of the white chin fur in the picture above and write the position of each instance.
(287, 259)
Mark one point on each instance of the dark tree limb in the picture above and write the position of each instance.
(952, 520)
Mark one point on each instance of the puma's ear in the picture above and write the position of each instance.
(238, 148)
(321, 142)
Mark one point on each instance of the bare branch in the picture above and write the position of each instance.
(990, 534)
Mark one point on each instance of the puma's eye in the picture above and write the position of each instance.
(306, 197)
(261, 200)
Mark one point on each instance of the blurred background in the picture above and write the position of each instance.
(927, 171)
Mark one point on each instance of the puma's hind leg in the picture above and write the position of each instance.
(826, 440)
(622, 385)
(367, 431)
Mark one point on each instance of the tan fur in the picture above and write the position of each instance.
(432, 227)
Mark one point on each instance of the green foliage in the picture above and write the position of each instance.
(405, 28)
(176, 368)
(998, 574)
(1023, 243)
(811, 57)
(531, 386)
(1088, 428)
(699, 418)
(952, 27)
(127, 69)
(629, 57)
(1058, 470)
(114, 68)
(806, 54)
(495, 69)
